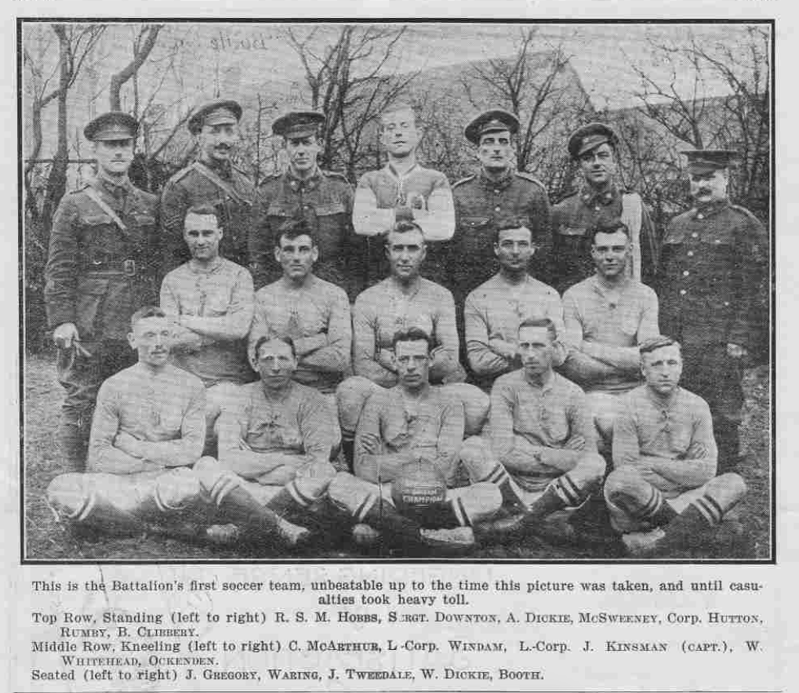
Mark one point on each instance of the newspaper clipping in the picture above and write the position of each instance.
(396, 355)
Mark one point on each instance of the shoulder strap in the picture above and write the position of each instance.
(219, 183)
(632, 218)
(93, 195)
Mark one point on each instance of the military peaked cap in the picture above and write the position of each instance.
(114, 125)
(495, 120)
(589, 137)
(709, 160)
(214, 113)
(298, 124)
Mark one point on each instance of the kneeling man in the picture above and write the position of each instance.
(664, 493)
(409, 422)
(145, 469)
(279, 435)
(542, 452)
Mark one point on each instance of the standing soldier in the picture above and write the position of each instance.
(304, 191)
(403, 190)
(98, 273)
(598, 202)
(211, 180)
(496, 193)
(712, 293)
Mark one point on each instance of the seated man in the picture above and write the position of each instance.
(144, 469)
(494, 310)
(399, 302)
(401, 425)
(541, 452)
(279, 435)
(313, 313)
(663, 494)
(607, 316)
(210, 300)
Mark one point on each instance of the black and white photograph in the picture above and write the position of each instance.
(396, 290)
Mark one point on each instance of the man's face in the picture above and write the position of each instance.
(709, 187)
(303, 152)
(202, 235)
(662, 369)
(152, 339)
(218, 142)
(536, 350)
(275, 363)
(495, 150)
(296, 256)
(413, 363)
(598, 165)
(514, 249)
(114, 156)
(610, 252)
(400, 136)
(406, 252)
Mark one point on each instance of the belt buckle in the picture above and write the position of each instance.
(129, 267)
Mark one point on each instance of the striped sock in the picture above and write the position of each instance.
(500, 478)
(655, 511)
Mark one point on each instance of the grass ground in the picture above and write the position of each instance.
(744, 535)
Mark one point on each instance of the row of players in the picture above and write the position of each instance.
(105, 242)
(531, 453)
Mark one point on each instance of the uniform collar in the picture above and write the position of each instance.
(116, 188)
(711, 209)
(310, 183)
(223, 169)
(497, 183)
(591, 197)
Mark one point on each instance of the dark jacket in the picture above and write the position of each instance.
(325, 200)
(572, 219)
(480, 204)
(98, 275)
(189, 187)
(713, 279)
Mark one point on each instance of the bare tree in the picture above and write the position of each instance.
(726, 103)
(142, 47)
(76, 44)
(537, 85)
(349, 82)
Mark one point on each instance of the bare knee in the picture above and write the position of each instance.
(68, 495)
(727, 490)
(592, 466)
(176, 490)
(473, 450)
(623, 483)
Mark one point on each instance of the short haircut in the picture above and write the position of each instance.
(655, 343)
(203, 210)
(403, 227)
(293, 228)
(412, 334)
(273, 338)
(608, 227)
(146, 312)
(399, 107)
(540, 322)
(512, 223)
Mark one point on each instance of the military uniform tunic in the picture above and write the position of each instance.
(97, 276)
(480, 205)
(194, 186)
(572, 219)
(325, 201)
(713, 291)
